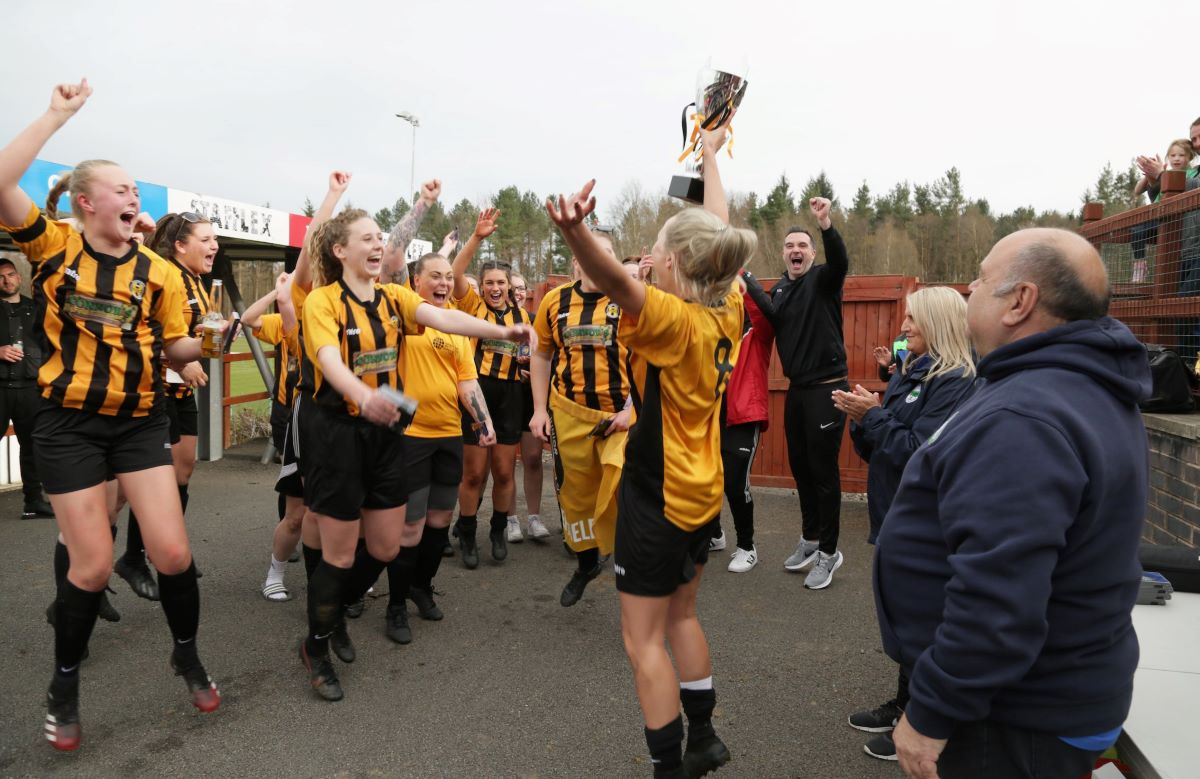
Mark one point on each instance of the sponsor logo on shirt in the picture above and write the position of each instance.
(111, 313)
(376, 361)
(588, 335)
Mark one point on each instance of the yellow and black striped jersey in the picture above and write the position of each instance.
(287, 363)
(682, 356)
(590, 366)
(367, 335)
(101, 320)
(195, 306)
(431, 365)
(495, 358)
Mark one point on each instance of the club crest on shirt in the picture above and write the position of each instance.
(137, 288)
(612, 311)
(912, 396)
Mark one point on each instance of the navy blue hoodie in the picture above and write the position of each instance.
(1007, 566)
(912, 408)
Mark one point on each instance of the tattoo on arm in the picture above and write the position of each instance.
(406, 229)
(479, 410)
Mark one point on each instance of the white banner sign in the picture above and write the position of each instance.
(417, 249)
(232, 219)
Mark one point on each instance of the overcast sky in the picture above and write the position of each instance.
(257, 101)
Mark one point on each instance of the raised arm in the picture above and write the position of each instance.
(395, 269)
(338, 181)
(19, 154)
(603, 268)
(484, 226)
(282, 294)
(762, 301)
(714, 191)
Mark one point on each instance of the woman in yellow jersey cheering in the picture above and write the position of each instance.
(683, 337)
(498, 363)
(438, 370)
(579, 353)
(109, 311)
(353, 459)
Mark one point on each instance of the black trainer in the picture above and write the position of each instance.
(343, 647)
(354, 610)
(141, 581)
(422, 598)
(205, 695)
(107, 612)
(881, 746)
(707, 754)
(397, 624)
(61, 727)
(499, 543)
(321, 675)
(878, 720)
(448, 549)
(575, 587)
(37, 507)
(468, 547)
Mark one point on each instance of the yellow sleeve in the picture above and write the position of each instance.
(471, 303)
(542, 324)
(408, 302)
(171, 305)
(299, 295)
(662, 331)
(270, 329)
(466, 358)
(320, 324)
(37, 237)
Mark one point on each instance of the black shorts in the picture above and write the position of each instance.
(526, 406)
(506, 406)
(652, 556)
(291, 480)
(281, 417)
(433, 471)
(350, 464)
(76, 449)
(183, 416)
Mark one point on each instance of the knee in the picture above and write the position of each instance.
(411, 536)
(472, 480)
(292, 521)
(383, 550)
(91, 573)
(172, 558)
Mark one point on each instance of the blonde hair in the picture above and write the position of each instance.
(1184, 144)
(709, 254)
(327, 268)
(941, 314)
(78, 182)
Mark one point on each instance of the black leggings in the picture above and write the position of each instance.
(739, 444)
(814, 437)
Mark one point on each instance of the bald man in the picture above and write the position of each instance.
(1007, 565)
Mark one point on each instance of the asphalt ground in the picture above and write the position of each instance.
(510, 684)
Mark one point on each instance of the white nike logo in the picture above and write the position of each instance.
(828, 425)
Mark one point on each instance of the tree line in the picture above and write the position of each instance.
(932, 230)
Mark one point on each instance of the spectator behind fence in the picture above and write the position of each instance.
(20, 359)
(1007, 566)
(935, 373)
(1179, 156)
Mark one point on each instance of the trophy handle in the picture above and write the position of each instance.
(683, 122)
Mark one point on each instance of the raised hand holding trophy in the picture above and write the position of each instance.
(718, 94)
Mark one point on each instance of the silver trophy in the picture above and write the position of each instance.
(719, 91)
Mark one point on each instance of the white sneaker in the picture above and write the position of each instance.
(514, 531)
(717, 543)
(742, 560)
(535, 529)
(821, 576)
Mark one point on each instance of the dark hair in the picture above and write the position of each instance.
(799, 229)
(171, 228)
(632, 259)
(1060, 290)
(1193, 124)
(5, 261)
(420, 264)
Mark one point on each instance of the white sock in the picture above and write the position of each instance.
(275, 573)
(700, 684)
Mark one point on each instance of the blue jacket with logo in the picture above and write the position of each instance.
(1007, 566)
(911, 410)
